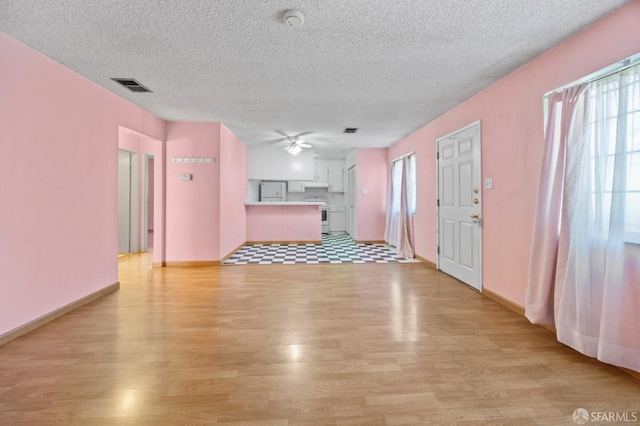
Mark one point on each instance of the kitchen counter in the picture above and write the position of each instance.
(284, 222)
(282, 203)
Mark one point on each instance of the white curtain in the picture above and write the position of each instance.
(593, 281)
(392, 229)
(400, 207)
(598, 310)
(565, 120)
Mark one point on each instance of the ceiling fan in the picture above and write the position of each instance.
(294, 143)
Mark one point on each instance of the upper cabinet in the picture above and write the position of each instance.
(329, 174)
(295, 186)
(322, 171)
(336, 176)
(272, 163)
(302, 172)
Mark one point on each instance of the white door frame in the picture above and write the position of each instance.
(134, 202)
(438, 195)
(145, 203)
(124, 201)
(352, 219)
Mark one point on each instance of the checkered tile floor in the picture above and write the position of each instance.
(335, 248)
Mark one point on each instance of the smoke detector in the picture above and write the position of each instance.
(293, 18)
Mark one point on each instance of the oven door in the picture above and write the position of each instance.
(325, 219)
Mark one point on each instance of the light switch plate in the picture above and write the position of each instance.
(488, 183)
(185, 176)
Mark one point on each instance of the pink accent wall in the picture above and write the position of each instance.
(233, 191)
(58, 183)
(193, 207)
(371, 174)
(284, 223)
(511, 115)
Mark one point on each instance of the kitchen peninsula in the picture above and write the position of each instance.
(288, 196)
(284, 222)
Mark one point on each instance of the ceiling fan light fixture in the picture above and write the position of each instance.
(294, 144)
(293, 149)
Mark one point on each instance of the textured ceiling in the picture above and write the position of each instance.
(385, 66)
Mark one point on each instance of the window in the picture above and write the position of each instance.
(396, 172)
(613, 154)
(583, 270)
(401, 205)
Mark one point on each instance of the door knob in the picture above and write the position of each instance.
(475, 216)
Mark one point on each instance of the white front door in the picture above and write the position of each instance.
(351, 203)
(460, 206)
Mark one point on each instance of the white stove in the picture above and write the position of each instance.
(325, 212)
(315, 200)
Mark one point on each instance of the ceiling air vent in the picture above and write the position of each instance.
(132, 85)
(350, 130)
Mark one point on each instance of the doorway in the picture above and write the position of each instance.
(148, 203)
(459, 221)
(351, 202)
(128, 205)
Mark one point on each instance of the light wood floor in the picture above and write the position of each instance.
(299, 345)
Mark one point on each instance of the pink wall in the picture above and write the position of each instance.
(58, 156)
(284, 223)
(233, 191)
(192, 207)
(371, 175)
(512, 144)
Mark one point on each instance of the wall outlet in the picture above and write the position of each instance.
(185, 176)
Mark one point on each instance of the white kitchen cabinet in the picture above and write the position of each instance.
(337, 219)
(336, 178)
(322, 171)
(295, 186)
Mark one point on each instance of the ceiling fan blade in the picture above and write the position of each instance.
(274, 141)
(299, 135)
(322, 141)
(281, 133)
(304, 145)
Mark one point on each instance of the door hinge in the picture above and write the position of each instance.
(438, 249)
(437, 155)
(438, 202)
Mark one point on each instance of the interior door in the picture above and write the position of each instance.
(351, 204)
(124, 201)
(460, 206)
